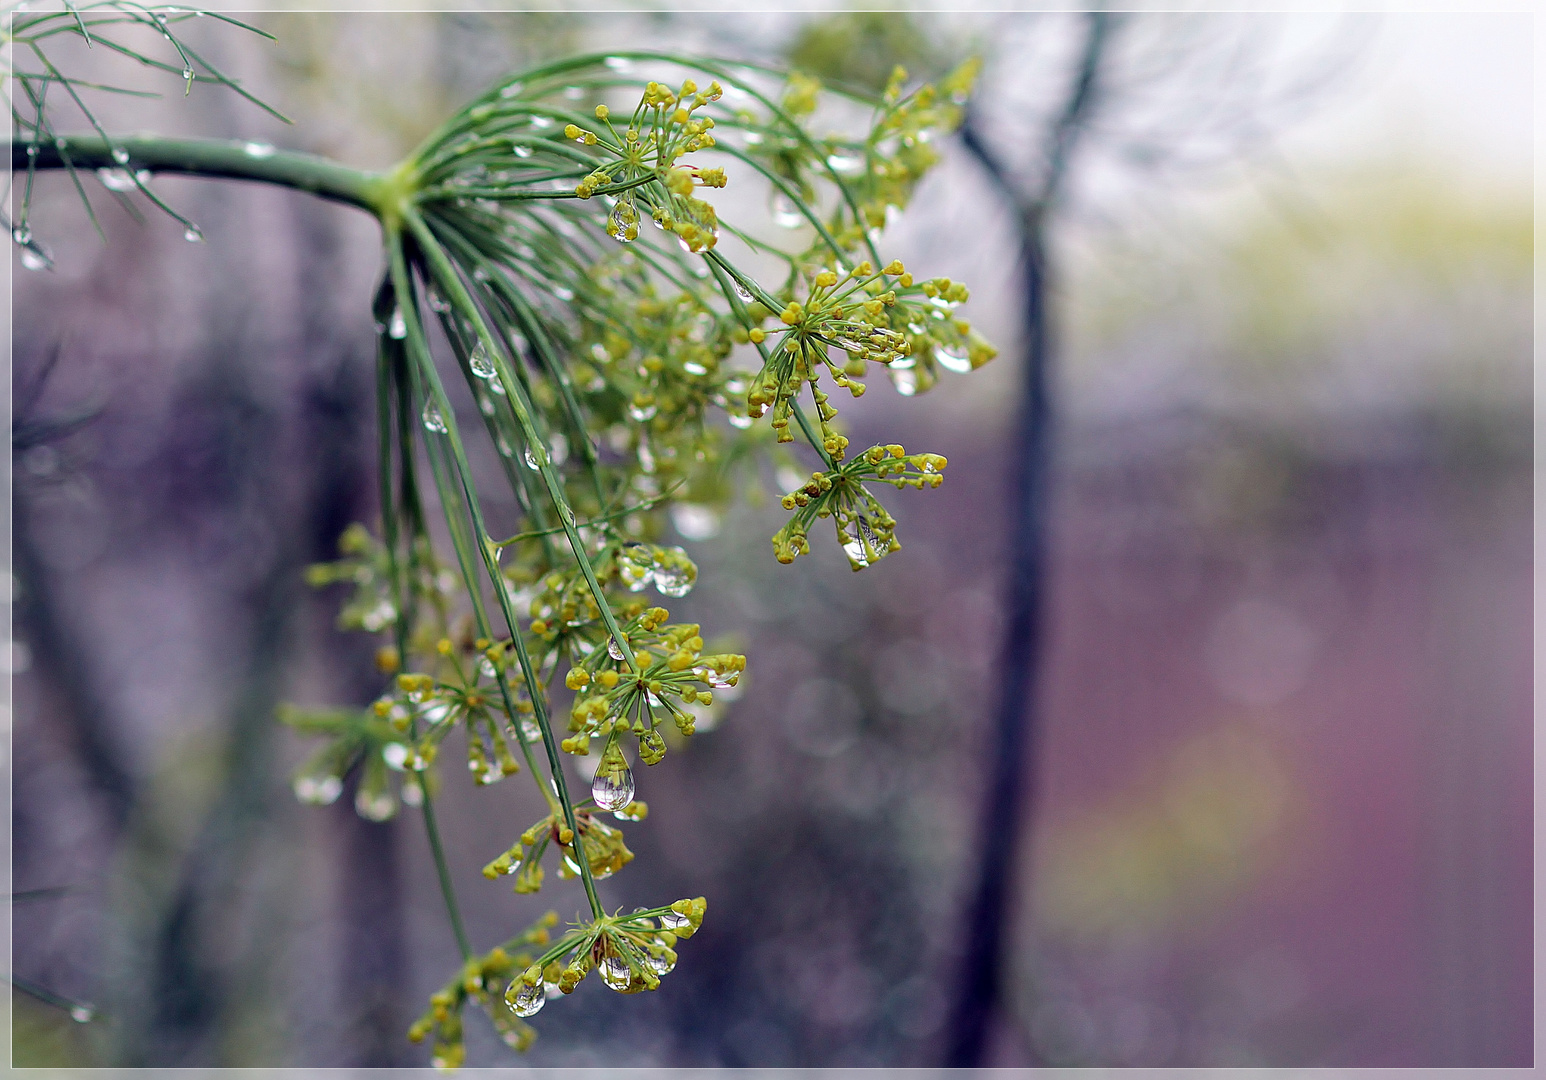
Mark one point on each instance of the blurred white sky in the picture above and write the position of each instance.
(1452, 84)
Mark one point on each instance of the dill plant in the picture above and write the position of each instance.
(553, 245)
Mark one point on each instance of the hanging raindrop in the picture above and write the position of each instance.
(433, 421)
(615, 973)
(953, 358)
(258, 149)
(742, 291)
(318, 790)
(635, 567)
(480, 362)
(193, 235)
(675, 574)
(120, 155)
(784, 211)
(528, 1000)
(398, 327)
(660, 965)
(673, 921)
(845, 161)
(612, 788)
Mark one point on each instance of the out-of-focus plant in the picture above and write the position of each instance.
(553, 244)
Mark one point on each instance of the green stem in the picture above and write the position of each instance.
(454, 290)
(213, 158)
(444, 872)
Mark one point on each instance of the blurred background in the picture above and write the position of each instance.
(1269, 799)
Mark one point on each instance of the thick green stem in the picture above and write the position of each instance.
(213, 158)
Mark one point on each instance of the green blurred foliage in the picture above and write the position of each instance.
(43, 1036)
(860, 48)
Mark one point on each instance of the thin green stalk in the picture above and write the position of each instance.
(457, 294)
(446, 891)
(448, 279)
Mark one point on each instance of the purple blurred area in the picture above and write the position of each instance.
(1282, 762)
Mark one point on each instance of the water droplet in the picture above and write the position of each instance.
(615, 973)
(187, 74)
(619, 63)
(574, 93)
(193, 235)
(558, 447)
(21, 234)
(673, 921)
(675, 574)
(496, 387)
(563, 293)
(660, 965)
(258, 149)
(374, 806)
(905, 380)
(531, 460)
(398, 327)
(953, 358)
(433, 421)
(695, 522)
(33, 258)
(480, 362)
(82, 1014)
(395, 754)
(737, 420)
(635, 566)
(718, 680)
(510, 90)
(116, 179)
(642, 413)
(318, 790)
(541, 123)
(530, 731)
(120, 155)
(486, 406)
(528, 1000)
(624, 223)
(741, 290)
(752, 138)
(854, 548)
(613, 787)
(784, 211)
(502, 444)
(846, 162)
(521, 150)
